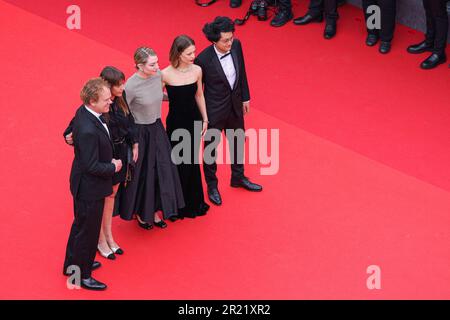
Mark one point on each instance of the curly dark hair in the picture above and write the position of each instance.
(220, 24)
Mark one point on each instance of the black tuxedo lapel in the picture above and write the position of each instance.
(236, 66)
(97, 123)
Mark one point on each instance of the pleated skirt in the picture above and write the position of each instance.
(155, 184)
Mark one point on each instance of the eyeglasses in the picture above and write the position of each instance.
(225, 41)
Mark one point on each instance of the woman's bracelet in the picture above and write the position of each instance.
(206, 121)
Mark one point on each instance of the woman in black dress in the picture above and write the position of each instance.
(183, 82)
(156, 184)
(123, 135)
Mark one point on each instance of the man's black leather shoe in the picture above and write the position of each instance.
(92, 284)
(214, 196)
(420, 48)
(282, 17)
(330, 30)
(385, 47)
(246, 184)
(433, 61)
(235, 3)
(371, 39)
(307, 19)
(95, 266)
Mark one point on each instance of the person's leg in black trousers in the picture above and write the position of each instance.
(84, 234)
(331, 16)
(373, 34)
(436, 34)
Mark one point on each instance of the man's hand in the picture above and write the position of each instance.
(117, 163)
(246, 107)
(69, 139)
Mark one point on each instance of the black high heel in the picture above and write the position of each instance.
(145, 225)
(161, 224)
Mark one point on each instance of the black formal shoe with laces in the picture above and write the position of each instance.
(95, 265)
(235, 3)
(307, 18)
(214, 196)
(92, 284)
(330, 30)
(385, 47)
(420, 48)
(371, 39)
(160, 224)
(246, 184)
(433, 61)
(282, 17)
(145, 225)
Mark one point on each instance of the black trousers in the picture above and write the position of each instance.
(437, 24)
(328, 7)
(237, 167)
(388, 11)
(84, 234)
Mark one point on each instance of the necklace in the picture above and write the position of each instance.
(185, 70)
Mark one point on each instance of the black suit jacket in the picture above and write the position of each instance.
(92, 170)
(219, 96)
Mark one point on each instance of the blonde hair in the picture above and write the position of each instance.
(141, 55)
(92, 89)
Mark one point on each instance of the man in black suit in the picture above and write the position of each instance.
(436, 35)
(227, 98)
(90, 180)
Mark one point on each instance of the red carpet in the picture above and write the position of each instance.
(362, 181)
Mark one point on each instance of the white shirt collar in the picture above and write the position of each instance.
(97, 115)
(220, 54)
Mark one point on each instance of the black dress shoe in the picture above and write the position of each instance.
(145, 225)
(371, 39)
(214, 196)
(92, 284)
(95, 266)
(420, 48)
(282, 17)
(235, 3)
(330, 30)
(246, 184)
(433, 61)
(160, 224)
(385, 47)
(307, 19)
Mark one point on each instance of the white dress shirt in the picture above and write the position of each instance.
(227, 66)
(97, 115)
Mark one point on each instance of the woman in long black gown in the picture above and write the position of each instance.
(183, 82)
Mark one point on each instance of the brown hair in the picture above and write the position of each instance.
(114, 77)
(141, 55)
(92, 89)
(178, 46)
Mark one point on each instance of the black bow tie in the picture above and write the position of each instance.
(102, 119)
(225, 55)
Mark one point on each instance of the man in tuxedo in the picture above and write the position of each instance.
(436, 35)
(90, 180)
(227, 98)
